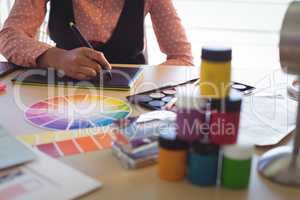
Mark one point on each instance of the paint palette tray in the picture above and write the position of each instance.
(155, 99)
(164, 98)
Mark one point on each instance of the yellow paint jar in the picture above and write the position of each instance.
(215, 74)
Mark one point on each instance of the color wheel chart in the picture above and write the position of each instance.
(76, 112)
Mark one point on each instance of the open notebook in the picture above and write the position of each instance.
(123, 78)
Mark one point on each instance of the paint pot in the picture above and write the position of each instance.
(190, 111)
(169, 92)
(156, 103)
(157, 95)
(172, 157)
(203, 164)
(236, 165)
(225, 119)
(215, 72)
(238, 86)
(142, 98)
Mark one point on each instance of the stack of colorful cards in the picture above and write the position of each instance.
(138, 146)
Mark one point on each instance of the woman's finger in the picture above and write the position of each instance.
(98, 57)
(87, 71)
(80, 76)
(87, 62)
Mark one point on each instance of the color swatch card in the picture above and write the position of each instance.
(76, 112)
(67, 143)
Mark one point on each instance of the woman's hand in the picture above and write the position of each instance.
(81, 63)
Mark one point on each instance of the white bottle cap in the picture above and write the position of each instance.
(239, 151)
(189, 97)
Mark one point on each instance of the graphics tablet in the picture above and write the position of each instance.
(123, 78)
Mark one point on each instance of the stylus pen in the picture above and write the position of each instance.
(84, 42)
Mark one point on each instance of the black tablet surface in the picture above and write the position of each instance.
(123, 78)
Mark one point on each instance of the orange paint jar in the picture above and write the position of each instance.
(172, 158)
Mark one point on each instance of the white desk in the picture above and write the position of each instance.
(144, 183)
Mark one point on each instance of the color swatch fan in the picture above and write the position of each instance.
(76, 112)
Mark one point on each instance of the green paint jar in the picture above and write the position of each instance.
(236, 166)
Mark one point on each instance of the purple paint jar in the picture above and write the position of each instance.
(190, 111)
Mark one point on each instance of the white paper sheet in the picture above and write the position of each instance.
(45, 178)
(267, 120)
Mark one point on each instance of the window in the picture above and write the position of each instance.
(250, 27)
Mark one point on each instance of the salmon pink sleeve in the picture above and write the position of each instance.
(170, 33)
(18, 42)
